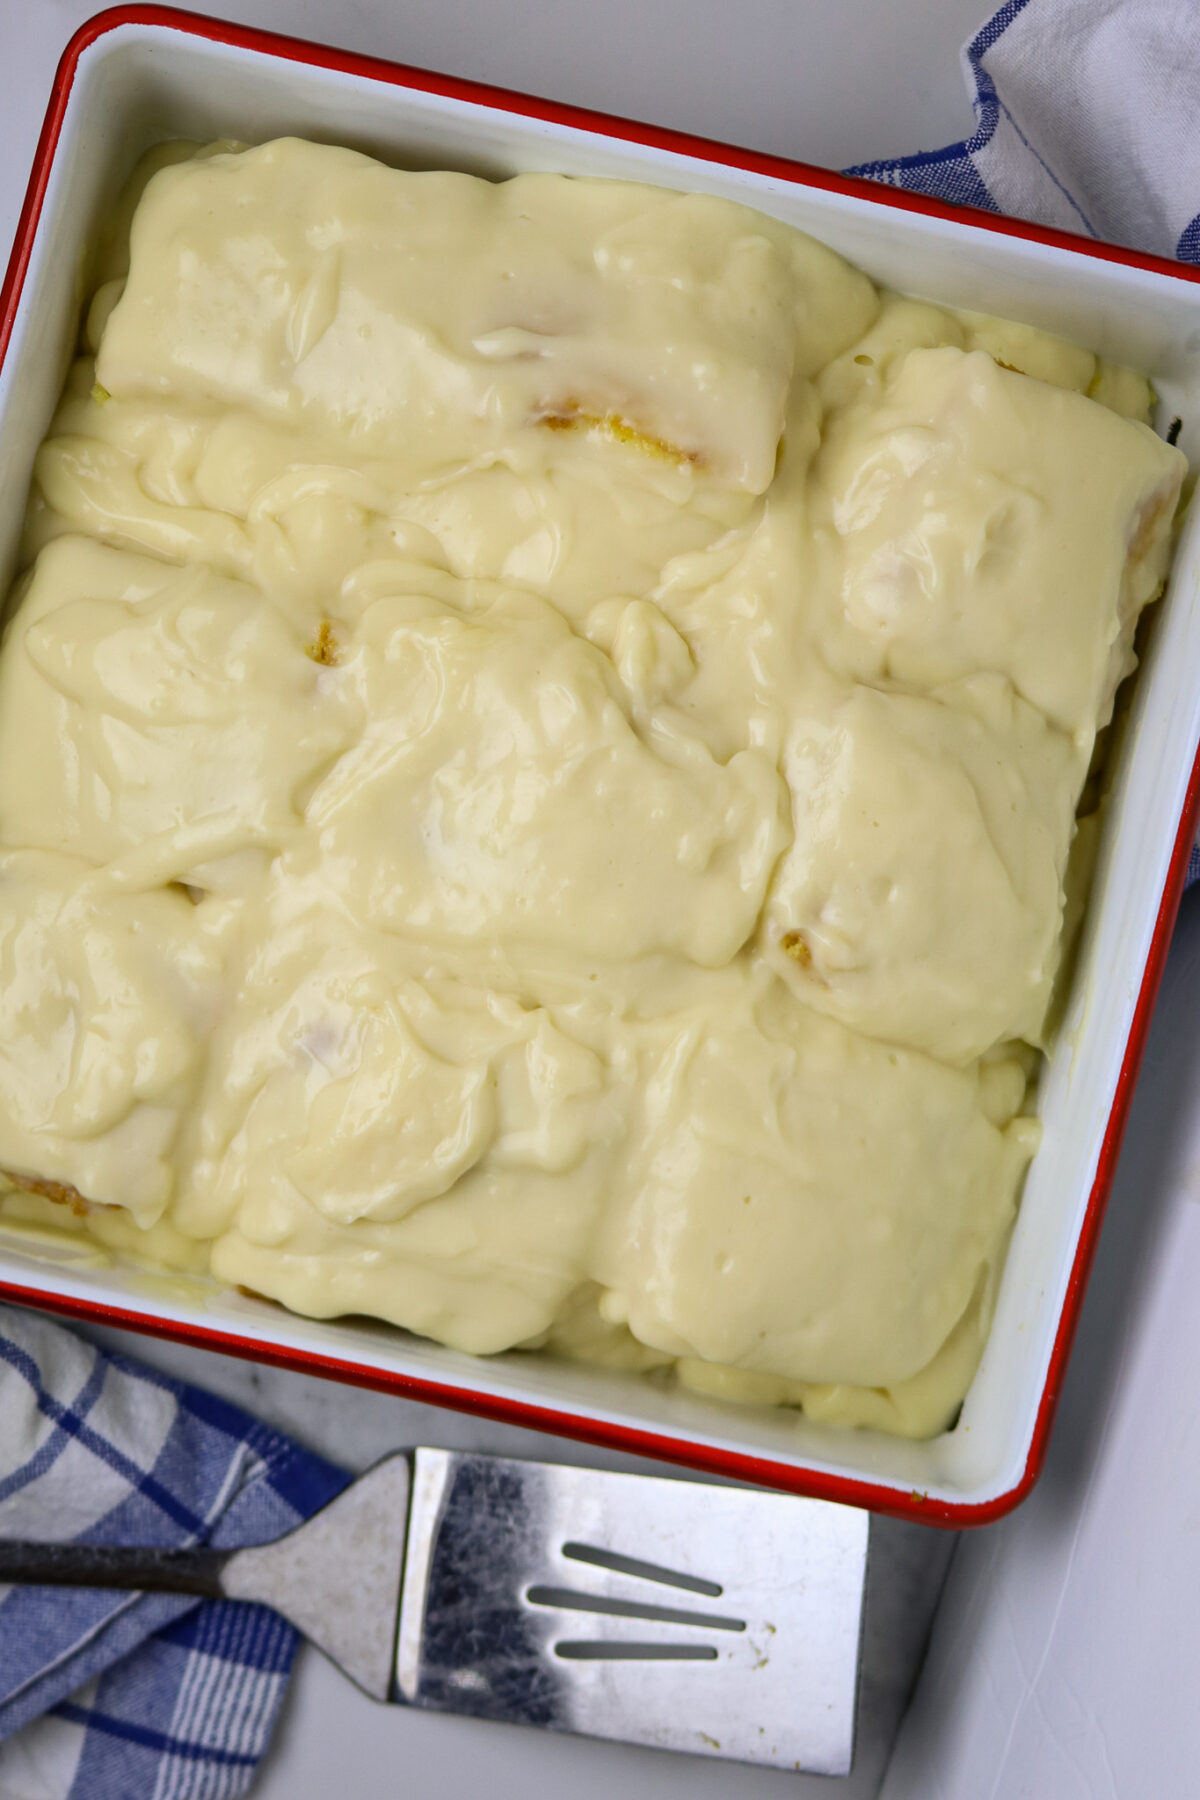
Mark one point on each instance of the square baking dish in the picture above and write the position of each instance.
(139, 74)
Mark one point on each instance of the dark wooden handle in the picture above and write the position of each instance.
(114, 1566)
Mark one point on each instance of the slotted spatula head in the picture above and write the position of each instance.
(669, 1613)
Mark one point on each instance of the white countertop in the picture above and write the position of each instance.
(1065, 1654)
(1062, 1665)
(831, 81)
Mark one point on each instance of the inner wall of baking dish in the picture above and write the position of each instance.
(139, 85)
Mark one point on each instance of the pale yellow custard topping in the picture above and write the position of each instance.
(540, 740)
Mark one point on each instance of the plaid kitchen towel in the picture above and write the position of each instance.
(1087, 114)
(124, 1697)
(1087, 117)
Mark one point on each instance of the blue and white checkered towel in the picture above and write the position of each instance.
(1087, 114)
(1087, 120)
(125, 1697)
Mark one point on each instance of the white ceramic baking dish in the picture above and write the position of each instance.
(139, 74)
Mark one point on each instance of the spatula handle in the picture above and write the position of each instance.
(145, 1571)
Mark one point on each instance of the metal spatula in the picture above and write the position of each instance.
(658, 1612)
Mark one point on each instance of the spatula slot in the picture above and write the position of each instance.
(630, 1565)
(572, 1601)
(600, 1652)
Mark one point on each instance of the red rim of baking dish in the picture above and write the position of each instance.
(712, 1459)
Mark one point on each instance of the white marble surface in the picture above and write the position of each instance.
(832, 81)
(1065, 1654)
